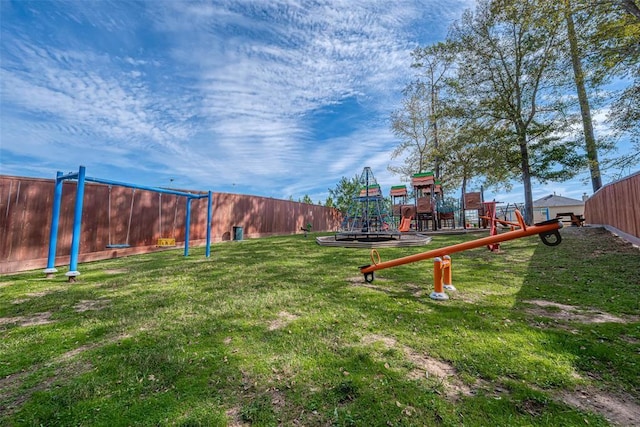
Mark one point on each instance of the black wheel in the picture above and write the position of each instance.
(545, 237)
(368, 277)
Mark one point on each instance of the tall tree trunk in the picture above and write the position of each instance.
(434, 124)
(463, 220)
(585, 110)
(631, 7)
(526, 177)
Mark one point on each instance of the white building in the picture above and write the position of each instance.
(550, 206)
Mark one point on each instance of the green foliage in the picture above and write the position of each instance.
(420, 123)
(329, 202)
(491, 102)
(344, 192)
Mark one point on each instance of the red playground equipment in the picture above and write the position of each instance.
(547, 230)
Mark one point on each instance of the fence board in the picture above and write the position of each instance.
(26, 205)
(617, 205)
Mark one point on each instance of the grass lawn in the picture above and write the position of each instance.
(281, 331)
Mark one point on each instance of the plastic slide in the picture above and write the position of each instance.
(405, 224)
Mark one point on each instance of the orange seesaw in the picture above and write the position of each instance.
(547, 230)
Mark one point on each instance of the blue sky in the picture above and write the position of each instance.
(275, 98)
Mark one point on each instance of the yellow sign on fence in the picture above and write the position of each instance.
(166, 242)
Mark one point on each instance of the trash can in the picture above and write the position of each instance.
(237, 233)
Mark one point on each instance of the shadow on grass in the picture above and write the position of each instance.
(583, 297)
(282, 331)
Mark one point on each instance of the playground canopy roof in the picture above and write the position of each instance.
(422, 174)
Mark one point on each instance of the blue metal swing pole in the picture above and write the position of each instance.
(187, 226)
(207, 251)
(55, 221)
(77, 226)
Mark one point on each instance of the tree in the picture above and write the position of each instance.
(418, 124)
(306, 199)
(434, 62)
(329, 202)
(344, 192)
(508, 53)
(411, 125)
(583, 99)
(616, 46)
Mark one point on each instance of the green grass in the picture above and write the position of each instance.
(281, 331)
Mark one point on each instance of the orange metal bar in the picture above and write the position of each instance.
(446, 276)
(437, 275)
(501, 221)
(543, 229)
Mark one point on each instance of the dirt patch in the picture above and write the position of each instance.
(234, 418)
(426, 367)
(33, 320)
(388, 342)
(65, 367)
(29, 296)
(116, 271)
(446, 374)
(38, 294)
(628, 339)
(416, 290)
(277, 398)
(65, 357)
(572, 313)
(284, 318)
(88, 305)
(619, 410)
(10, 386)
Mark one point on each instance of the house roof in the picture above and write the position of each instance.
(553, 200)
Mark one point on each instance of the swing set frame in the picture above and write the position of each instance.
(81, 178)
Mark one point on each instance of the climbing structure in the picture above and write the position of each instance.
(399, 197)
(427, 192)
(428, 211)
(367, 217)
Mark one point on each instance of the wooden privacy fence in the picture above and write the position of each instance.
(118, 215)
(616, 205)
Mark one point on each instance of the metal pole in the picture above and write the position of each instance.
(140, 187)
(187, 226)
(208, 248)
(77, 227)
(55, 221)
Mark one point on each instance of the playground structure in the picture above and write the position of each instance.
(547, 230)
(428, 192)
(367, 217)
(81, 178)
(428, 211)
(369, 223)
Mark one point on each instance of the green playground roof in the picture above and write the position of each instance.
(370, 186)
(438, 182)
(398, 187)
(422, 174)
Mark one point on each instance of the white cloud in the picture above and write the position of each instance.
(219, 92)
